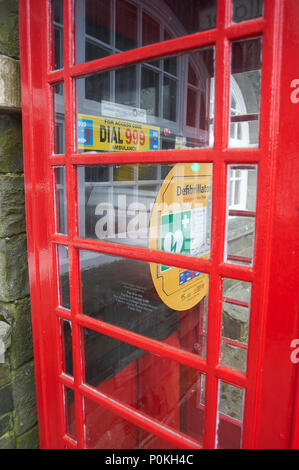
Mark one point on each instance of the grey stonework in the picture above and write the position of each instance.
(18, 416)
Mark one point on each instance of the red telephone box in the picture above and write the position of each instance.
(160, 161)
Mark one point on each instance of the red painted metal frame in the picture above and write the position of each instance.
(273, 317)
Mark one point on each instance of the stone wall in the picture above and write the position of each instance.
(18, 415)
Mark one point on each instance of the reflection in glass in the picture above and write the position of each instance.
(105, 27)
(235, 324)
(229, 416)
(58, 117)
(247, 9)
(57, 34)
(107, 430)
(143, 107)
(241, 206)
(63, 276)
(156, 386)
(121, 291)
(70, 418)
(129, 203)
(245, 93)
(60, 200)
(66, 344)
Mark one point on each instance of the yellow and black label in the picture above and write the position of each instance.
(115, 135)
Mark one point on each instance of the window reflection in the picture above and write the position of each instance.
(58, 118)
(245, 93)
(57, 34)
(163, 106)
(159, 387)
(105, 27)
(118, 203)
(230, 416)
(241, 207)
(247, 9)
(121, 292)
(104, 429)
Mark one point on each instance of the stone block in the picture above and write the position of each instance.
(14, 282)
(10, 85)
(24, 398)
(7, 441)
(5, 375)
(18, 314)
(9, 28)
(12, 205)
(6, 400)
(6, 424)
(11, 148)
(29, 440)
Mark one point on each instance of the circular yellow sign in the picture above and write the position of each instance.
(180, 224)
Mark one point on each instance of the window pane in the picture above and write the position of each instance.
(150, 91)
(66, 344)
(156, 386)
(57, 34)
(240, 222)
(58, 117)
(142, 107)
(245, 93)
(63, 276)
(169, 99)
(117, 204)
(125, 86)
(123, 25)
(247, 9)
(126, 26)
(60, 200)
(235, 324)
(70, 418)
(127, 293)
(97, 19)
(229, 416)
(107, 430)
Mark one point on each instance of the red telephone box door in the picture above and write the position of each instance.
(160, 161)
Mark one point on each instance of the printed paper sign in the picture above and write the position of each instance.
(179, 224)
(114, 135)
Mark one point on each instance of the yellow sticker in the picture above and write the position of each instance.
(180, 223)
(116, 135)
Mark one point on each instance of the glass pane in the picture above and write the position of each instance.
(123, 25)
(235, 323)
(162, 207)
(67, 348)
(159, 387)
(107, 430)
(57, 34)
(169, 99)
(245, 92)
(126, 25)
(141, 107)
(70, 418)
(229, 416)
(63, 276)
(150, 91)
(247, 9)
(161, 302)
(240, 223)
(60, 200)
(125, 86)
(58, 117)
